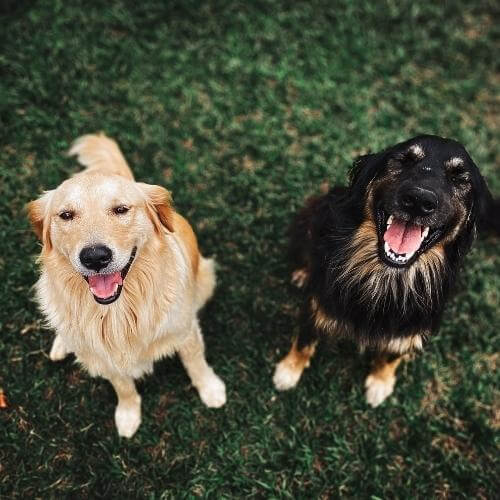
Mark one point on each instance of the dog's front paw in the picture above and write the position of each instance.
(286, 375)
(213, 391)
(58, 351)
(128, 418)
(378, 389)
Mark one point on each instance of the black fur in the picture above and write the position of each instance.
(323, 232)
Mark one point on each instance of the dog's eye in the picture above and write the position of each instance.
(459, 176)
(68, 215)
(122, 209)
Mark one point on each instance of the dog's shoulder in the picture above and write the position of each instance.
(185, 233)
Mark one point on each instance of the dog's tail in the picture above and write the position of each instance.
(100, 154)
(205, 281)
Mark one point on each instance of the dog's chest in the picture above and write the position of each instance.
(125, 337)
(125, 343)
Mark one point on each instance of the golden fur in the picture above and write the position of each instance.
(167, 283)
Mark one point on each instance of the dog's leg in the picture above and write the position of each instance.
(128, 410)
(289, 369)
(210, 387)
(380, 382)
(58, 350)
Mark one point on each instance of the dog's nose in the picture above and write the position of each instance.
(418, 201)
(96, 257)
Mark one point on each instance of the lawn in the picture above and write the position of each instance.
(243, 109)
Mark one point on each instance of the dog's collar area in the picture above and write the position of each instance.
(116, 283)
(428, 237)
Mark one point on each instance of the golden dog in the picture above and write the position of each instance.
(122, 278)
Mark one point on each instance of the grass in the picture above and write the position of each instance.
(242, 109)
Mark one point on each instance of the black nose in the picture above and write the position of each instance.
(418, 201)
(96, 258)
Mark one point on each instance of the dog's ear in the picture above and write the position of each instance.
(363, 171)
(159, 204)
(489, 220)
(38, 215)
(487, 209)
(366, 167)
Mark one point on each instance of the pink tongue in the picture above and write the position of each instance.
(403, 237)
(103, 285)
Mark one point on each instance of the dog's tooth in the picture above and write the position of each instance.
(389, 220)
(386, 248)
(425, 232)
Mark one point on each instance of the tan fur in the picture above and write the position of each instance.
(300, 277)
(384, 369)
(321, 319)
(455, 161)
(39, 218)
(296, 360)
(159, 208)
(403, 345)
(417, 151)
(381, 379)
(182, 227)
(462, 219)
(377, 280)
(167, 283)
(100, 154)
(290, 368)
(398, 345)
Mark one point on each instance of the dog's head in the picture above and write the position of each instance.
(420, 194)
(97, 224)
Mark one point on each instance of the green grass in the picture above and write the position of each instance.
(242, 109)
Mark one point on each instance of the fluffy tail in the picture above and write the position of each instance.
(206, 281)
(100, 154)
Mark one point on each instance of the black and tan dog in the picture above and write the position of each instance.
(379, 258)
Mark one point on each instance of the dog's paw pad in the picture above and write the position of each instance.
(213, 392)
(285, 376)
(58, 351)
(299, 277)
(378, 389)
(127, 419)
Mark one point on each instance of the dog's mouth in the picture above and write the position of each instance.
(401, 242)
(106, 288)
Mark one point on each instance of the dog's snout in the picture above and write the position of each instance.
(418, 201)
(96, 257)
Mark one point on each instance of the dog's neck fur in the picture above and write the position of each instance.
(420, 286)
(118, 332)
(376, 305)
